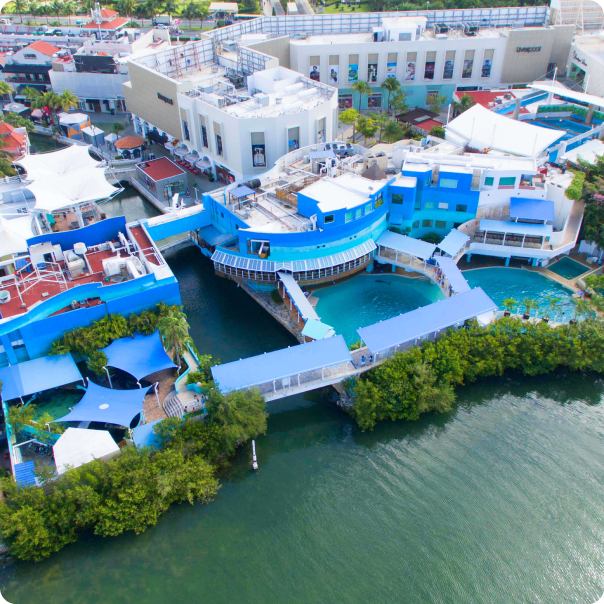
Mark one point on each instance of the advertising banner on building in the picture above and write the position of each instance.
(315, 73)
(353, 73)
(448, 70)
(334, 74)
(486, 68)
(372, 72)
(410, 71)
(391, 70)
(467, 68)
(429, 70)
(259, 156)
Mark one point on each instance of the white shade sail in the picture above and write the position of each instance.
(63, 161)
(77, 447)
(61, 191)
(14, 235)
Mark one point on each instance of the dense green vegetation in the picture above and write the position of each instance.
(132, 491)
(388, 5)
(593, 188)
(423, 379)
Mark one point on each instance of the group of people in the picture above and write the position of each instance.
(199, 402)
(364, 360)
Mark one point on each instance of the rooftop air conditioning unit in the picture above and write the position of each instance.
(262, 98)
(441, 36)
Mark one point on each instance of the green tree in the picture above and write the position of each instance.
(145, 323)
(20, 6)
(529, 304)
(438, 131)
(67, 10)
(192, 11)
(390, 85)
(241, 415)
(381, 119)
(141, 10)
(118, 127)
(67, 100)
(170, 6)
(553, 306)
(464, 103)
(126, 7)
(367, 127)
(510, 304)
(582, 309)
(152, 8)
(362, 89)
(5, 89)
(399, 101)
(435, 102)
(174, 332)
(56, 8)
(31, 93)
(393, 130)
(350, 118)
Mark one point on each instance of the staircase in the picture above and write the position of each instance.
(172, 405)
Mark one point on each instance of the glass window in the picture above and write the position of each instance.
(219, 144)
(507, 181)
(204, 137)
(367, 208)
(358, 212)
(489, 181)
(426, 223)
(429, 205)
(379, 202)
(374, 101)
(441, 224)
(418, 205)
(443, 205)
(328, 219)
(397, 198)
(461, 208)
(416, 224)
(427, 181)
(349, 216)
(448, 183)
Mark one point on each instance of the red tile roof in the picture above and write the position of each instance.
(158, 169)
(129, 142)
(108, 14)
(5, 128)
(44, 47)
(483, 97)
(114, 24)
(427, 125)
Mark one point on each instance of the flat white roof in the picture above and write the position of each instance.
(331, 196)
(484, 129)
(587, 151)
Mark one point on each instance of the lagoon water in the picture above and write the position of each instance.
(498, 502)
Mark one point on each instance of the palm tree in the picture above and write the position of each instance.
(67, 100)
(152, 8)
(390, 85)
(20, 5)
(382, 119)
(174, 331)
(553, 306)
(510, 304)
(204, 11)
(363, 89)
(56, 8)
(31, 93)
(170, 7)
(118, 127)
(141, 11)
(465, 102)
(391, 129)
(5, 88)
(529, 304)
(50, 100)
(67, 11)
(350, 117)
(125, 8)
(582, 308)
(192, 11)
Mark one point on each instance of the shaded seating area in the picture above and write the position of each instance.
(404, 250)
(108, 406)
(139, 356)
(454, 242)
(31, 377)
(385, 338)
(516, 234)
(294, 369)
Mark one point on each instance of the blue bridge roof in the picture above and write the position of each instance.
(531, 209)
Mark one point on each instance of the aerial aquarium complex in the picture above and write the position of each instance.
(248, 249)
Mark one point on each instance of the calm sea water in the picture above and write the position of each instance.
(498, 502)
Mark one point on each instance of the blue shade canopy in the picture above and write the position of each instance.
(139, 356)
(406, 245)
(107, 406)
(453, 274)
(531, 209)
(143, 436)
(453, 242)
(241, 191)
(516, 228)
(281, 364)
(38, 375)
(426, 320)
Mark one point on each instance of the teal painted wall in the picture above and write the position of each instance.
(416, 97)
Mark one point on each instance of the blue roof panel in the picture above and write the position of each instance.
(531, 209)
(453, 274)
(25, 474)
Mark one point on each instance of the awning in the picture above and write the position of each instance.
(294, 266)
(181, 151)
(78, 446)
(296, 294)
(202, 164)
(19, 68)
(531, 209)
(516, 228)
(280, 364)
(426, 320)
(53, 163)
(156, 137)
(139, 356)
(38, 375)
(406, 245)
(453, 242)
(451, 271)
(241, 191)
(192, 157)
(213, 236)
(107, 406)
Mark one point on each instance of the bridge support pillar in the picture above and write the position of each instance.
(369, 267)
(590, 114)
(507, 261)
(535, 261)
(468, 257)
(393, 268)
(517, 109)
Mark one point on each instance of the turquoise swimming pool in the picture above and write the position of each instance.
(367, 299)
(568, 268)
(501, 283)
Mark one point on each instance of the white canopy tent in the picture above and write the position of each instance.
(62, 191)
(77, 447)
(14, 235)
(63, 161)
(483, 129)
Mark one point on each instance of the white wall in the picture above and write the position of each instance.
(89, 85)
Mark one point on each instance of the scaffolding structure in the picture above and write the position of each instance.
(583, 14)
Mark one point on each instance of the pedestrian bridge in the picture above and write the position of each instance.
(320, 363)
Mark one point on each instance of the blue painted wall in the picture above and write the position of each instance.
(93, 234)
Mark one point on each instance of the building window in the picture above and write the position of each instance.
(443, 205)
(448, 183)
(345, 101)
(349, 216)
(174, 187)
(426, 223)
(427, 181)
(397, 199)
(374, 101)
(507, 181)
(429, 205)
(417, 205)
(379, 202)
(489, 181)
(461, 208)
(185, 130)
(416, 224)
(440, 224)
(358, 212)
(329, 219)
(367, 208)
(219, 144)
(29, 56)
(204, 137)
